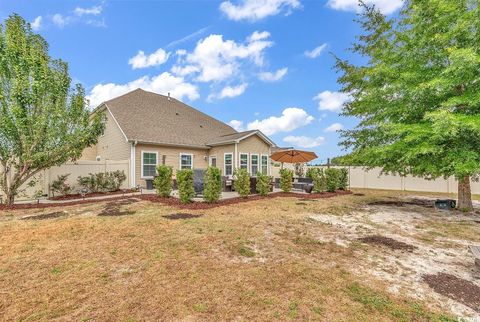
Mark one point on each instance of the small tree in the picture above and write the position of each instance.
(331, 176)
(343, 179)
(286, 180)
(213, 184)
(163, 182)
(263, 183)
(60, 185)
(44, 122)
(319, 181)
(185, 185)
(242, 182)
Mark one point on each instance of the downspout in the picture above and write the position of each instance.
(132, 165)
(236, 155)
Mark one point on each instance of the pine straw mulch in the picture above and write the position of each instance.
(388, 242)
(175, 202)
(457, 289)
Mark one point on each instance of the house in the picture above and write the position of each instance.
(151, 129)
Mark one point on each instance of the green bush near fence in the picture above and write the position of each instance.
(185, 185)
(60, 185)
(102, 181)
(331, 177)
(242, 182)
(213, 184)
(163, 183)
(343, 179)
(286, 180)
(263, 183)
(311, 172)
(319, 180)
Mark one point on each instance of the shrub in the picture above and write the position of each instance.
(263, 183)
(331, 176)
(60, 185)
(311, 172)
(185, 185)
(102, 181)
(286, 178)
(319, 180)
(163, 182)
(242, 182)
(117, 178)
(343, 179)
(88, 182)
(213, 185)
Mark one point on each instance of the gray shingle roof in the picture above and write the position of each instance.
(148, 117)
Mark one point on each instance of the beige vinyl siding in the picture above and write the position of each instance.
(254, 145)
(112, 145)
(172, 158)
(219, 152)
(89, 153)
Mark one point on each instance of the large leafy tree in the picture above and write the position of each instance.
(43, 120)
(417, 93)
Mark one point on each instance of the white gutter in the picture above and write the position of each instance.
(132, 165)
(236, 155)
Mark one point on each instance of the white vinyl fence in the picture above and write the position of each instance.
(373, 179)
(75, 169)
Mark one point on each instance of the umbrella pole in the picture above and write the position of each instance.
(281, 167)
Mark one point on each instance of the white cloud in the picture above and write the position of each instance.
(331, 101)
(314, 53)
(334, 127)
(229, 92)
(216, 59)
(253, 10)
(304, 141)
(161, 84)
(386, 6)
(193, 35)
(273, 77)
(291, 119)
(95, 11)
(36, 23)
(59, 20)
(237, 125)
(140, 60)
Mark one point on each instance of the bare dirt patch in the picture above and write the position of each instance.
(388, 242)
(50, 215)
(455, 288)
(178, 216)
(404, 203)
(113, 209)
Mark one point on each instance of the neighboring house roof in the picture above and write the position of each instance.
(148, 117)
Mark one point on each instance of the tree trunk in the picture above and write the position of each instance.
(9, 198)
(465, 195)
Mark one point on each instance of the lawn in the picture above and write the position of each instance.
(272, 259)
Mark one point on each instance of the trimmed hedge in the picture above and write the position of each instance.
(286, 180)
(213, 185)
(185, 185)
(263, 183)
(343, 179)
(319, 180)
(242, 182)
(331, 175)
(163, 182)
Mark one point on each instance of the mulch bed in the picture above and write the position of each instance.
(457, 289)
(181, 216)
(92, 194)
(388, 242)
(50, 215)
(113, 209)
(413, 202)
(175, 202)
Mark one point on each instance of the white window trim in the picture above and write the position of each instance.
(268, 163)
(240, 160)
(141, 163)
(180, 160)
(210, 160)
(251, 163)
(225, 164)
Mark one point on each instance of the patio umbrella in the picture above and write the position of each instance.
(293, 156)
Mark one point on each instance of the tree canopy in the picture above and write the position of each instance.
(417, 94)
(43, 120)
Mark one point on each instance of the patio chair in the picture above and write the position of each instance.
(198, 181)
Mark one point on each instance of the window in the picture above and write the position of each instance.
(186, 161)
(228, 164)
(264, 164)
(254, 169)
(213, 161)
(149, 164)
(244, 161)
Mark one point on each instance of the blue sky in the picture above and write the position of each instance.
(264, 64)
